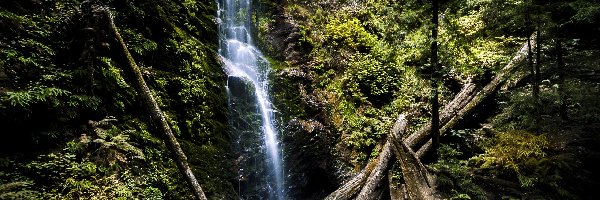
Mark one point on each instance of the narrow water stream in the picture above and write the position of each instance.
(260, 170)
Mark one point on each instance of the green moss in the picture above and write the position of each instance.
(62, 75)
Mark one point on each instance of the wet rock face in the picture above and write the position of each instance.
(309, 159)
(241, 89)
(283, 39)
(312, 170)
(245, 122)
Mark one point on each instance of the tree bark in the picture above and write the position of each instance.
(561, 79)
(370, 177)
(377, 175)
(153, 109)
(350, 188)
(536, 81)
(435, 104)
(419, 184)
(460, 100)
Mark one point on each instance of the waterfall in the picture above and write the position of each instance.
(251, 112)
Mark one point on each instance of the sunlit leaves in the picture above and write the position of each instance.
(348, 33)
(513, 150)
(470, 24)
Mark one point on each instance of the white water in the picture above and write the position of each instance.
(243, 60)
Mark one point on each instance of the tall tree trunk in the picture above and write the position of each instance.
(156, 114)
(560, 65)
(435, 117)
(530, 59)
(536, 80)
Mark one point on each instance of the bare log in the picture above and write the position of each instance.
(156, 114)
(419, 184)
(375, 178)
(367, 180)
(353, 186)
(461, 99)
(377, 175)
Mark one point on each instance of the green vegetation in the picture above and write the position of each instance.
(358, 64)
(73, 125)
(342, 70)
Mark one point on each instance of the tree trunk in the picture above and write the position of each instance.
(375, 178)
(354, 185)
(370, 177)
(156, 114)
(419, 184)
(561, 79)
(416, 139)
(536, 81)
(435, 115)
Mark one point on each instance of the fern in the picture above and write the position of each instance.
(34, 95)
(115, 146)
(18, 190)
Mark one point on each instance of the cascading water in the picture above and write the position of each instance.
(250, 109)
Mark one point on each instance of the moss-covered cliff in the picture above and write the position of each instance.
(73, 126)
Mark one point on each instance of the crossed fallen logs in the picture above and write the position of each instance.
(417, 182)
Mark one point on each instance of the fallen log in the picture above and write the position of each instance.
(153, 109)
(419, 183)
(370, 177)
(377, 175)
(462, 104)
(353, 186)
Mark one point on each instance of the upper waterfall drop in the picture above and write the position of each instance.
(244, 61)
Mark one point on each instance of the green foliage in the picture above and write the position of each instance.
(137, 43)
(103, 165)
(374, 79)
(59, 100)
(517, 151)
(113, 146)
(35, 95)
(18, 190)
(348, 33)
(454, 176)
(62, 71)
(586, 11)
